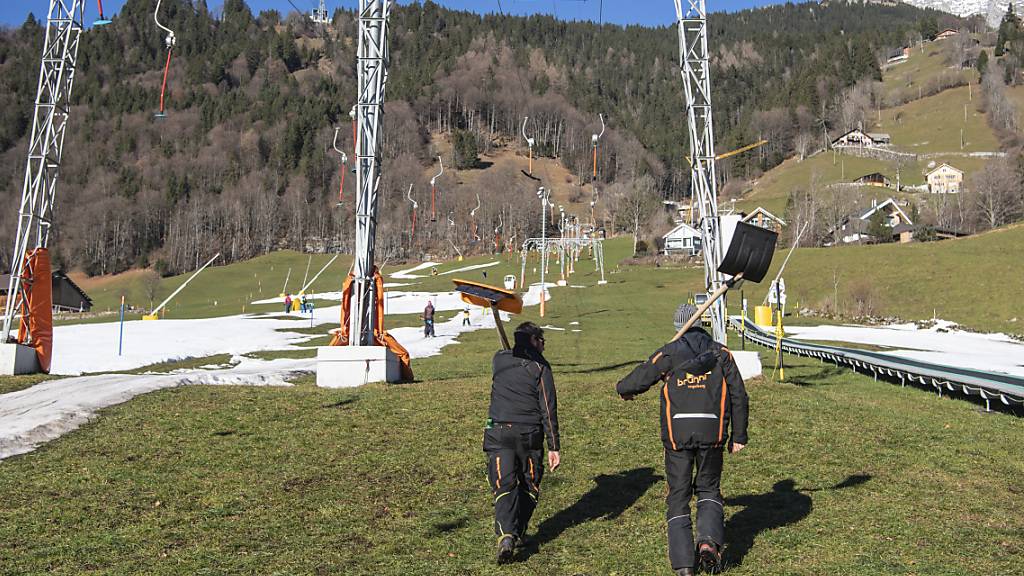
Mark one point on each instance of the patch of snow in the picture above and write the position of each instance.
(942, 343)
(50, 409)
(46, 411)
(550, 327)
(408, 273)
(468, 268)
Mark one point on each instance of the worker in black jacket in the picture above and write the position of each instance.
(703, 392)
(523, 412)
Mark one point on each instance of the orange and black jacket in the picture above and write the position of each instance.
(523, 392)
(703, 392)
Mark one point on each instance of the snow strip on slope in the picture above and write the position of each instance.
(33, 416)
(940, 344)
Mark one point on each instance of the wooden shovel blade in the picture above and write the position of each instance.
(485, 295)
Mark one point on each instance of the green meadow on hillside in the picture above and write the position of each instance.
(927, 64)
(390, 479)
(974, 281)
(932, 125)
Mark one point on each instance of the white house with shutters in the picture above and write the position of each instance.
(945, 180)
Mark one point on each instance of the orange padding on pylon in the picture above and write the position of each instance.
(379, 333)
(38, 306)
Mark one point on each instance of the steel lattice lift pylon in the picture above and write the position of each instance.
(64, 25)
(696, 70)
(372, 63)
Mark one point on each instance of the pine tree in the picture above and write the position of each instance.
(982, 63)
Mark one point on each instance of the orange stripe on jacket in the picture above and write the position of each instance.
(497, 466)
(721, 416)
(668, 417)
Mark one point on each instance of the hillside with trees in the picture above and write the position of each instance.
(243, 162)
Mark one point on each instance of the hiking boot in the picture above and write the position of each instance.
(506, 546)
(684, 572)
(709, 558)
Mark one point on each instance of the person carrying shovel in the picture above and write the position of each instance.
(703, 394)
(523, 413)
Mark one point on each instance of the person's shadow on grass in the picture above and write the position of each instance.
(613, 495)
(783, 506)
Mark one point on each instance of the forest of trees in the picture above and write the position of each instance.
(243, 163)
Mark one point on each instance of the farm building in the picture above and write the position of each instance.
(862, 139)
(945, 180)
(947, 33)
(67, 296)
(765, 219)
(874, 179)
(854, 228)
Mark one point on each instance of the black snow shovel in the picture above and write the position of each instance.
(487, 296)
(748, 258)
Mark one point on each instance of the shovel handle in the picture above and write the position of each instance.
(704, 307)
(501, 328)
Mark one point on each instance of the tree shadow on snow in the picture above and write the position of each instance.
(613, 495)
(782, 506)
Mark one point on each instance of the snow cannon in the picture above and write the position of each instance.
(748, 258)
(487, 296)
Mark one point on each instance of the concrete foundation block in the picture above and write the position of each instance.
(18, 359)
(348, 366)
(749, 364)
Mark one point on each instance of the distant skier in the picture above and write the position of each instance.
(304, 303)
(465, 316)
(287, 303)
(428, 320)
(703, 391)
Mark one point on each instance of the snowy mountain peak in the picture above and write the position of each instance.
(992, 10)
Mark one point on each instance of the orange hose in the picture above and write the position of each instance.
(163, 89)
(433, 209)
(595, 162)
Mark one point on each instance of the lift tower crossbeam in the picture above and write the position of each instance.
(64, 24)
(696, 71)
(372, 70)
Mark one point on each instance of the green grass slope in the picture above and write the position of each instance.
(926, 65)
(772, 190)
(386, 480)
(933, 124)
(224, 290)
(974, 281)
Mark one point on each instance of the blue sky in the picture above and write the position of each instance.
(650, 12)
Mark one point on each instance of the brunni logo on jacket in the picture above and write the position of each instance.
(693, 380)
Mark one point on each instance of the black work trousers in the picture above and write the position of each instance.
(693, 471)
(514, 468)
